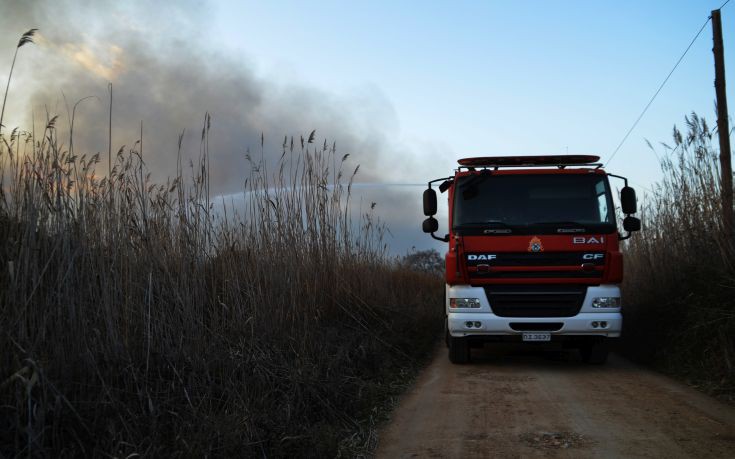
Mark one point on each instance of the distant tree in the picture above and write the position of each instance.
(428, 261)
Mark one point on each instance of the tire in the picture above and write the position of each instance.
(446, 333)
(594, 352)
(459, 350)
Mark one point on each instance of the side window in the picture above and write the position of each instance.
(601, 201)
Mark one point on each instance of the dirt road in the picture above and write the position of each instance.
(511, 404)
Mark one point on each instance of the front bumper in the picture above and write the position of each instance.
(601, 322)
(490, 324)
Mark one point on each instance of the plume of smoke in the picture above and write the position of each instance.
(166, 75)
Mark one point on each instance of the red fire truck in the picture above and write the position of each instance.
(533, 252)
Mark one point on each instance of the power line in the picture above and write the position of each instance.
(661, 87)
(625, 137)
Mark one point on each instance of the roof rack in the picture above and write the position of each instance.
(560, 161)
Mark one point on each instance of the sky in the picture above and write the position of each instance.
(406, 88)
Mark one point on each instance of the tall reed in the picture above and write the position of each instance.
(140, 319)
(680, 270)
(24, 40)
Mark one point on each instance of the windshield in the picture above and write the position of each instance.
(556, 203)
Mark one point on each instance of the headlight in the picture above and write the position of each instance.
(606, 302)
(455, 303)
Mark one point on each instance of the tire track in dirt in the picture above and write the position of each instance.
(508, 403)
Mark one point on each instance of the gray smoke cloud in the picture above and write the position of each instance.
(167, 74)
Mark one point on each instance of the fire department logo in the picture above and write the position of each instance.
(535, 245)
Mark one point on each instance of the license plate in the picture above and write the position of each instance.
(537, 337)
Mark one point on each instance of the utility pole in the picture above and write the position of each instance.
(723, 127)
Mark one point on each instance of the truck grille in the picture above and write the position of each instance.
(523, 265)
(541, 259)
(535, 300)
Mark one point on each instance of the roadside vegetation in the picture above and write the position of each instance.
(136, 320)
(143, 318)
(429, 261)
(680, 270)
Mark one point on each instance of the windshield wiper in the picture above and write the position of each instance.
(505, 228)
(564, 226)
(486, 223)
(560, 223)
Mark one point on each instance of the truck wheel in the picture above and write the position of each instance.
(594, 352)
(459, 350)
(446, 333)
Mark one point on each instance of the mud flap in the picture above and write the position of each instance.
(459, 350)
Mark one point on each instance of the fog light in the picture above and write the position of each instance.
(462, 303)
(595, 324)
(603, 324)
(468, 324)
(606, 302)
(478, 324)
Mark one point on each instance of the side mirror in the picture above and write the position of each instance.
(631, 224)
(430, 225)
(628, 200)
(429, 203)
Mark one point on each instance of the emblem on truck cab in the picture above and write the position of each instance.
(482, 256)
(535, 245)
(588, 240)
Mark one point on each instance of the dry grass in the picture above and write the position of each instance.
(137, 320)
(680, 270)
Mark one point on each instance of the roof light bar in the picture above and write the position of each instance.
(516, 161)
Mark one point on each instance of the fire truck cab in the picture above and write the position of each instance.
(533, 252)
